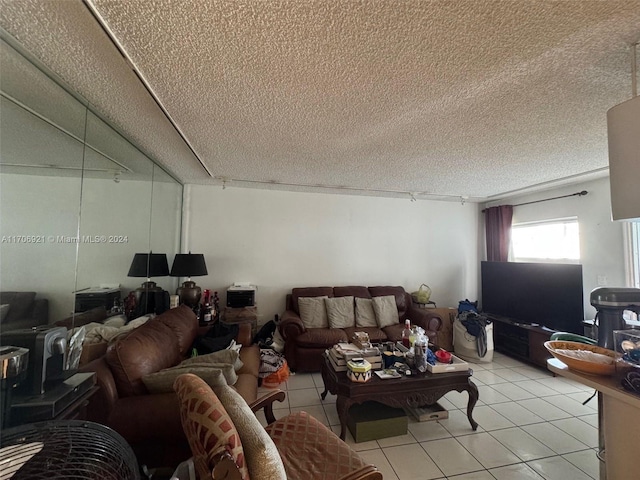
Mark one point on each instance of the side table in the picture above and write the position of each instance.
(234, 316)
(66, 401)
(428, 304)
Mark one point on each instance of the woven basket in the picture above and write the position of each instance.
(581, 365)
(422, 295)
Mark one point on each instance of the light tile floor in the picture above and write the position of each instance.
(532, 426)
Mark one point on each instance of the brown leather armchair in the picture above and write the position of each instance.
(304, 347)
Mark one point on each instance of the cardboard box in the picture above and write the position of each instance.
(428, 412)
(372, 420)
(242, 313)
(340, 357)
(445, 335)
(91, 351)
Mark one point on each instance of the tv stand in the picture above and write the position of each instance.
(521, 340)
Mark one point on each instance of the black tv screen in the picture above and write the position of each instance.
(547, 294)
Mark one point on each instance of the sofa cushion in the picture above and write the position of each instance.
(184, 324)
(4, 311)
(313, 312)
(398, 292)
(376, 335)
(310, 450)
(261, 454)
(394, 332)
(340, 312)
(21, 304)
(250, 357)
(321, 337)
(247, 387)
(357, 292)
(308, 292)
(386, 311)
(365, 316)
(214, 374)
(146, 349)
(207, 426)
(227, 355)
(95, 315)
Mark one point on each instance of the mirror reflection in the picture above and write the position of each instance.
(41, 158)
(117, 190)
(77, 202)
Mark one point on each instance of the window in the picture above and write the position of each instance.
(634, 257)
(549, 241)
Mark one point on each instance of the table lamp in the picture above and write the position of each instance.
(189, 265)
(149, 265)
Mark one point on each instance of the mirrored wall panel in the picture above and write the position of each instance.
(77, 202)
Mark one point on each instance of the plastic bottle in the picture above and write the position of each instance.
(207, 314)
(406, 333)
(413, 335)
(216, 305)
(421, 360)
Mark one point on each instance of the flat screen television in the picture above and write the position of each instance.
(547, 294)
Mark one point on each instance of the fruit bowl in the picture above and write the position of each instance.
(579, 364)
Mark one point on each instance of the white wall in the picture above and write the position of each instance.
(119, 210)
(601, 239)
(280, 240)
(43, 207)
(49, 206)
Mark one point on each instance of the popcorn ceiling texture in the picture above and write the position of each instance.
(452, 98)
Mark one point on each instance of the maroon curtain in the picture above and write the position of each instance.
(498, 231)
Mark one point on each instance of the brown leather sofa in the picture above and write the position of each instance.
(150, 423)
(25, 310)
(304, 347)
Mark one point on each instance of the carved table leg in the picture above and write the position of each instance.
(473, 398)
(325, 381)
(342, 406)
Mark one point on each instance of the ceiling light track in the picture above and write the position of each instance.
(94, 11)
(63, 167)
(413, 196)
(634, 71)
(63, 130)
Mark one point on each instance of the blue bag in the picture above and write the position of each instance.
(467, 306)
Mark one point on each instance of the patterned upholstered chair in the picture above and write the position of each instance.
(228, 441)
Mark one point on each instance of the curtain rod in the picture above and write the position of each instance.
(578, 194)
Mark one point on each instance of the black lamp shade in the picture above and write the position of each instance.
(188, 265)
(149, 265)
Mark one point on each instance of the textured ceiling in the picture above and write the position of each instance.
(439, 98)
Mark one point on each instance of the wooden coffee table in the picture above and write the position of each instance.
(413, 391)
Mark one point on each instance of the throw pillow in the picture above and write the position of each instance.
(313, 312)
(261, 454)
(4, 310)
(340, 312)
(386, 310)
(214, 374)
(229, 356)
(207, 426)
(365, 316)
